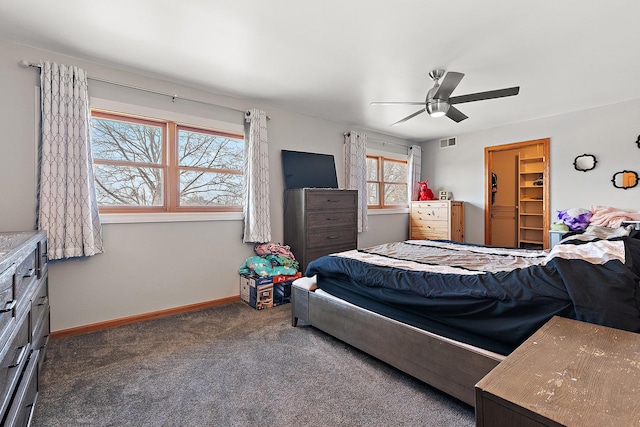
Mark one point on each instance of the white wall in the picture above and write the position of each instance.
(150, 266)
(608, 132)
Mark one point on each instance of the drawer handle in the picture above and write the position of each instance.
(29, 272)
(332, 201)
(44, 300)
(9, 306)
(44, 337)
(332, 219)
(20, 358)
(332, 237)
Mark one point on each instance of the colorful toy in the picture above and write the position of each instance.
(425, 192)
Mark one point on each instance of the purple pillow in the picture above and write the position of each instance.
(576, 219)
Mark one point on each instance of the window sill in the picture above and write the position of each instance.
(203, 216)
(130, 218)
(387, 211)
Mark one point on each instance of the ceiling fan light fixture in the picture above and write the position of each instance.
(437, 107)
(438, 101)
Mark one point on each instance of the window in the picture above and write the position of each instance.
(386, 182)
(149, 165)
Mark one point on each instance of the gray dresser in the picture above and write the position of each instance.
(24, 322)
(320, 221)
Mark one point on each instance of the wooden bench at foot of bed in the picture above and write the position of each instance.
(445, 364)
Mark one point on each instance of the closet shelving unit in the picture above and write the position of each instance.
(532, 218)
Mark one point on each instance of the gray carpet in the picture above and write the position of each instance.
(230, 366)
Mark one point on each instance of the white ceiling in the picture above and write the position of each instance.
(331, 58)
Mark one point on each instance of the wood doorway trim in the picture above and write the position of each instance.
(487, 183)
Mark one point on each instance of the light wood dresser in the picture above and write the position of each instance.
(320, 222)
(568, 373)
(437, 220)
(24, 322)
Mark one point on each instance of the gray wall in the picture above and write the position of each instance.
(155, 266)
(150, 266)
(608, 132)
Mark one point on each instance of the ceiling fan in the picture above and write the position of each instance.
(439, 101)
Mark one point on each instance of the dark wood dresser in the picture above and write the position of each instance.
(24, 322)
(568, 373)
(319, 221)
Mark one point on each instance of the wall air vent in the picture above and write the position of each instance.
(448, 142)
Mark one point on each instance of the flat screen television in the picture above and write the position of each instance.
(308, 170)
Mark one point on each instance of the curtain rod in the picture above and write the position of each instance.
(382, 141)
(26, 64)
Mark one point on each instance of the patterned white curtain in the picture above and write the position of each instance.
(257, 211)
(414, 165)
(67, 206)
(355, 163)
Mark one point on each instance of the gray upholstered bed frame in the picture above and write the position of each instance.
(445, 364)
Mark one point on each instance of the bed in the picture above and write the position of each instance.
(447, 313)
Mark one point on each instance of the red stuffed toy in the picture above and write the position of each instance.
(425, 192)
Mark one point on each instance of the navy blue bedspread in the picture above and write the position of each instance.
(493, 308)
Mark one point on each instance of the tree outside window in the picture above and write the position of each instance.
(386, 182)
(147, 165)
(210, 168)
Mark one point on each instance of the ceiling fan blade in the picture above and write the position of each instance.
(481, 96)
(409, 117)
(455, 114)
(397, 103)
(450, 82)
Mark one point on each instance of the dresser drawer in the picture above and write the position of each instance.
(26, 274)
(330, 200)
(427, 221)
(41, 331)
(40, 302)
(13, 359)
(330, 219)
(24, 401)
(423, 213)
(334, 237)
(40, 338)
(429, 233)
(429, 204)
(7, 300)
(43, 257)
